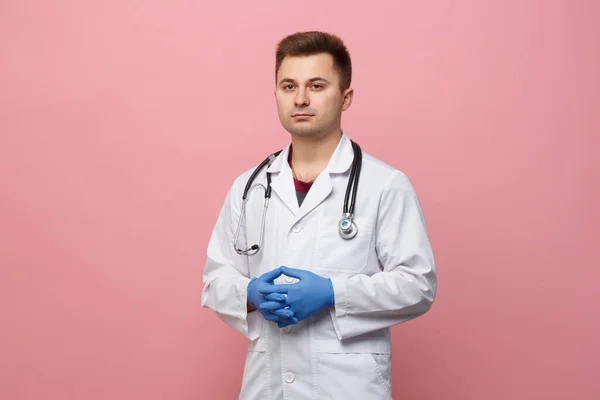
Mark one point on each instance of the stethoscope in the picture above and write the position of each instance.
(347, 228)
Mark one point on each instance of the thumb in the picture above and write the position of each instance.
(293, 272)
(271, 275)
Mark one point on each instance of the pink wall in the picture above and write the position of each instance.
(117, 122)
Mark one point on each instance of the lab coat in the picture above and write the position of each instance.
(384, 276)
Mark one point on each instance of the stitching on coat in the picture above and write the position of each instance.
(380, 376)
(315, 384)
(268, 370)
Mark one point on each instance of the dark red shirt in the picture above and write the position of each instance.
(302, 188)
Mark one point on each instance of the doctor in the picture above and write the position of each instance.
(315, 306)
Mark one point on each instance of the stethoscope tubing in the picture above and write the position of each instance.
(348, 210)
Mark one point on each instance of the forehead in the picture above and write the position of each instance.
(302, 68)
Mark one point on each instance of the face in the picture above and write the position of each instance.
(309, 100)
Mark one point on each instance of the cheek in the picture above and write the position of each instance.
(283, 110)
(280, 105)
(329, 105)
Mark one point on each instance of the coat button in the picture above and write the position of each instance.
(287, 329)
(289, 377)
(296, 229)
(289, 279)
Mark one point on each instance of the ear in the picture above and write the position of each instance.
(347, 97)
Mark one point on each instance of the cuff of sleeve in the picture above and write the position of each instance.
(252, 323)
(339, 314)
(248, 291)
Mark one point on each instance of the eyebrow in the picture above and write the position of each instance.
(318, 78)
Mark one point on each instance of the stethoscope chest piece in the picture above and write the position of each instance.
(347, 228)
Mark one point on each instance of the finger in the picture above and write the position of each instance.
(284, 313)
(268, 289)
(271, 275)
(287, 322)
(272, 317)
(293, 272)
(275, 297)
(271, 306)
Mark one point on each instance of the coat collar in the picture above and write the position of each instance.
(283, 182)
(340, 160)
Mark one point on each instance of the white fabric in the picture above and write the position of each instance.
(384, 276)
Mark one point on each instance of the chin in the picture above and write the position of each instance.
(304, 131)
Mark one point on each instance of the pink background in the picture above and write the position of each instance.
(118, 121)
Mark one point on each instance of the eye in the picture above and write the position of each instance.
(317, 86)
(289, 86)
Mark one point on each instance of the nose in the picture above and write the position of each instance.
(301, 98)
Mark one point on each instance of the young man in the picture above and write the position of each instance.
(316, 302)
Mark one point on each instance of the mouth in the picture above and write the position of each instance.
(301, 115)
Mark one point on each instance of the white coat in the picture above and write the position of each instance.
(384, 276)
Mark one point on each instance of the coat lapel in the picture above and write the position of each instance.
(283, 186)
(318, 192)
(282, 181)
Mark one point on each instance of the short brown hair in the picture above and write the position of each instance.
(314, 42)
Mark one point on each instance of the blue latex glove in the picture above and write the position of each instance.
(305, 298)
(275, 301)
(272, 306)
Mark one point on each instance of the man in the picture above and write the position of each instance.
(315, 306)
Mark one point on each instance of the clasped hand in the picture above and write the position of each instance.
(290, 303)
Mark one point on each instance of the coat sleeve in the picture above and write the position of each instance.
(405, 288)
(226, 273)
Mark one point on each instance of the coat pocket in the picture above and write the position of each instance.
(352, 376)
(338, 254)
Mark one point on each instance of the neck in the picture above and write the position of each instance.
(311, 155)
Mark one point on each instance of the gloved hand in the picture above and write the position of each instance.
(275, 301)
(272, 307)
(311, 294)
